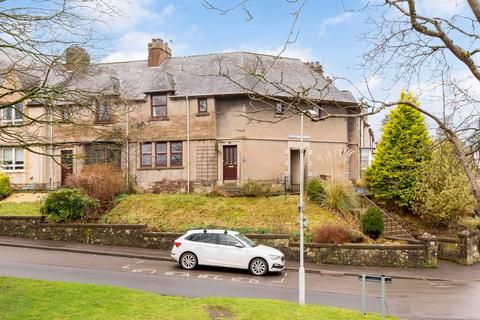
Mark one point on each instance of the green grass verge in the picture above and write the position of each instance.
(20, 208)
(34, 299)
(180, 212)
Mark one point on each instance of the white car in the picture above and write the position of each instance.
(225, 248)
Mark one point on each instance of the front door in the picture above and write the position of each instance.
(229, 162)
(67, 165)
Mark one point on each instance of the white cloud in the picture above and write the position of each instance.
(133, 46)
(441, 7)
(333, 21)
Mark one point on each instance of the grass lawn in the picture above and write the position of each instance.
(20, 208)
(180, 212)
(33, 299)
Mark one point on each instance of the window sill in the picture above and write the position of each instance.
(279, 115)
(159, 119)
(13, 171)
(202, 114)
(162, 168)
(102, 122)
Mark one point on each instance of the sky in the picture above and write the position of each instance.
(328, 32)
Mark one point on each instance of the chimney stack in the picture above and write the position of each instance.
(77, 59)
(316, 66)
(158, 51)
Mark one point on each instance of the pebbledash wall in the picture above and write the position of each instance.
(408, 255)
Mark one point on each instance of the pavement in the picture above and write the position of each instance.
(406, 298)
(445, 271)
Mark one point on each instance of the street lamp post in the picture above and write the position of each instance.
(301, 270)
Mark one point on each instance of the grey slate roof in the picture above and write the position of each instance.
(203, 75)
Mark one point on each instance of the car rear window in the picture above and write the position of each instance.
(204, 237)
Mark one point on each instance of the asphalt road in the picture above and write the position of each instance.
(408, 299)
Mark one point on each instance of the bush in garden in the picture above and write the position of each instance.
(356, 236)
(255, 189)
(442, 192)
(372, 223)
(316, 190)
(404, 147)
(102, 182)
(339, 196)
(331, 233)
(5, 186)
(67, 204)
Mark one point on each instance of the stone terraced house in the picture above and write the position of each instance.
(171, 122)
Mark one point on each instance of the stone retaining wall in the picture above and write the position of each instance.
(408, 255)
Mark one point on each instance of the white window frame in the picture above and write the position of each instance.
(17, 116)
(14, 166)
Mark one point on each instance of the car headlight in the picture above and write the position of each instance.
(274, 257)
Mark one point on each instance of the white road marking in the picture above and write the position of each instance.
(206, 276)
(248, 280)
(180, 273)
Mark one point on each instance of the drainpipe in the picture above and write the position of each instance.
(127, 150)
(188, 145)
(50, 133)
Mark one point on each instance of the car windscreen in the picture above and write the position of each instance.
(247, 241)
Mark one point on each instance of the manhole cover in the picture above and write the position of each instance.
(220, 313)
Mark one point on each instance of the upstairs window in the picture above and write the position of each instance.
(12, 159)
(159, 106)
(202, 105)
(103, 113)
(279, 108)
(13, 115)
(67, 113)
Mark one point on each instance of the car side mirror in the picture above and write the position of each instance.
(239, 245)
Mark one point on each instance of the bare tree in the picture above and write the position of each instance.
(408, 47)
(405, 47)
(43, 62)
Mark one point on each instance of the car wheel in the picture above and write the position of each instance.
(188, 261)
(258, 267)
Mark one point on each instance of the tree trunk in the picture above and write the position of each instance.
(475, 6)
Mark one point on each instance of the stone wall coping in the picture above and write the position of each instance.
(21, 218)
(362, 246)
(267, 236)
(92, 225)
(253, 235)
(445, 239)
(163, 234)
(466, 234)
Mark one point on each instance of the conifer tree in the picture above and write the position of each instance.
(404, 147)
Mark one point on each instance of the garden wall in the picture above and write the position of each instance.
(465, 249)
(409, 255)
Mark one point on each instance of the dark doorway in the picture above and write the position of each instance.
(67, 165)
(229, 162)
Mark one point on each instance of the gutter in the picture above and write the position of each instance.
(188, 144)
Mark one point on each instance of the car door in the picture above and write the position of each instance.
(206, 248)
(229, 254)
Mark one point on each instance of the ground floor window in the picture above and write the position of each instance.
(161, 154)
(12, 159)
(102, 153)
